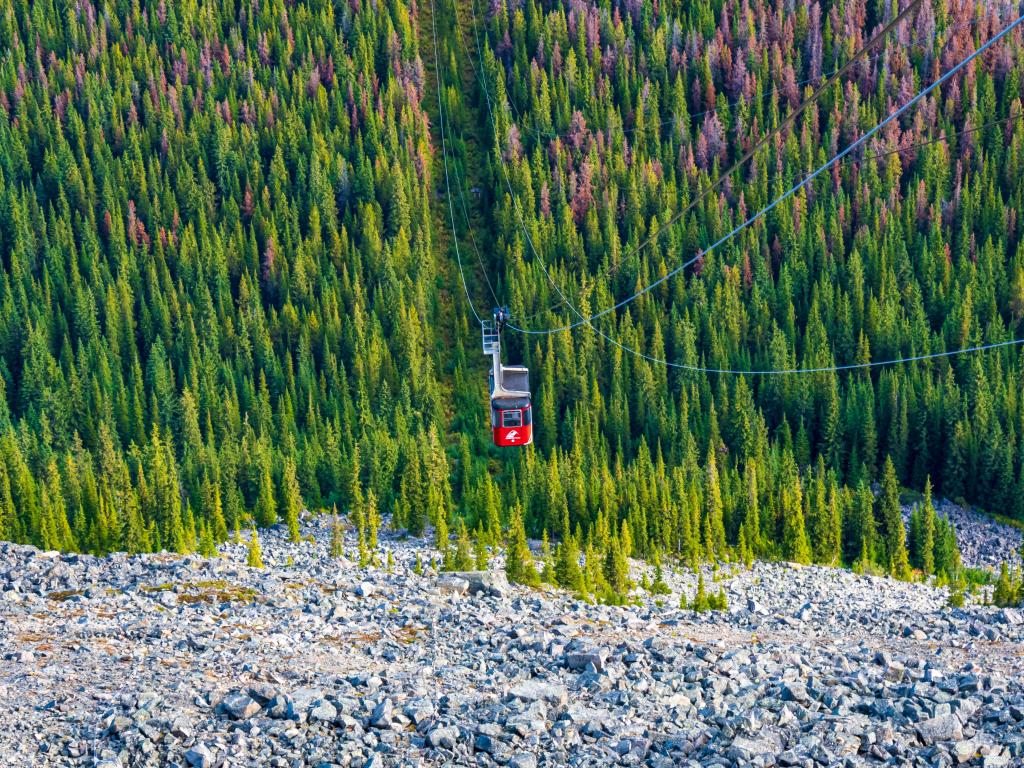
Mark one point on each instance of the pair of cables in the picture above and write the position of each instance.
(588, 319)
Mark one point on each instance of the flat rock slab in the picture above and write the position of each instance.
(536, 690)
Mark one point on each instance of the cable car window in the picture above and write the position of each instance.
(512, 418)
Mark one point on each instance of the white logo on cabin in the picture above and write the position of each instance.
(513, 435)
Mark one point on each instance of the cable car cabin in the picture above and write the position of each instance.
(511, 421)
(511, 413)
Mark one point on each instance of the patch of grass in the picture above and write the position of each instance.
(408, 635)
(66, 594)
(209, 591)
(156, 587)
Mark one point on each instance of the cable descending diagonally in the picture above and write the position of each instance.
(788, 121)
(563, 299)
(444, 157)
(764, 211)
(853, 146)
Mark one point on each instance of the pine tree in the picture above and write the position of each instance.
(292, 501)
(481, 556)
(892, 520)
(795, 546)
(568, 573)
(616, 571)
(463, 559)
(337, 536)
(255, 555)
(927, 547)
(266, 507)
(518, 560)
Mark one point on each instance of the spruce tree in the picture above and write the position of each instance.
(255, 556)
(337, 536)
(207, 547)
(795, 546)
(518, 560)
(927, 548)
(371, 519)
(481, 556)
(892, 519)
(441, 535)
(658, 585)
(292, 500)
(266, 507)
(568, 573)
(616, 571)
(463, 558)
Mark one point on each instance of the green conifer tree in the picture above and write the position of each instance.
(255, 554)
(518, 560)
(890, 513)
(292, 500)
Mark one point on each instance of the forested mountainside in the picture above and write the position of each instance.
(230, 290)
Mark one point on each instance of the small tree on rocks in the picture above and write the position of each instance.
(337, 536)
(255, 555)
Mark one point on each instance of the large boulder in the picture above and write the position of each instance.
(941, 728)
(492, 583)
(538, 690)
(239, 706)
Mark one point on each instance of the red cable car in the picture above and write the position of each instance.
(511, 414)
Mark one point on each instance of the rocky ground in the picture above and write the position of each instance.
(167, 661)
(984, 543)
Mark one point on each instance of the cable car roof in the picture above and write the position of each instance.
(510, 401)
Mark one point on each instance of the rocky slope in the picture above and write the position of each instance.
(160, 660)
(984, 543)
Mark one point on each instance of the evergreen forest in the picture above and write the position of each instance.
(230, 291)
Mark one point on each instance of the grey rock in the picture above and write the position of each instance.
(795, 692)
(579, 660)
(365, 589)
(452, 585)
(200, 756)
(965, 750)
(444, 737)
(303, 699)
(537, 690)
(239, 706)
(419, 710)
(323, 710)
(381, 716)
(1010, 616)
(942, 728)
(745, 749)
(493, 583)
